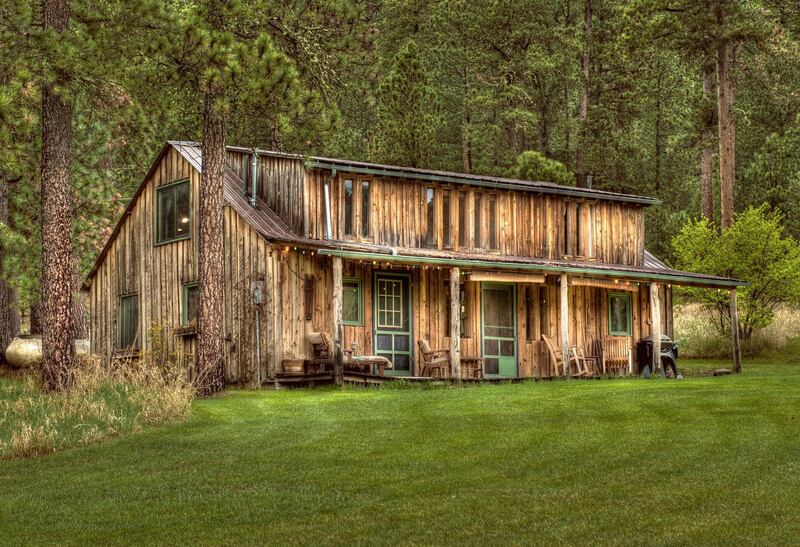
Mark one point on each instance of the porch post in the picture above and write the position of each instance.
(338, 357)
(655, 326)
(564, 301)
(737, 350)
(455, 323)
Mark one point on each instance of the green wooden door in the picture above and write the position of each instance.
(499, 329)
(392, 324)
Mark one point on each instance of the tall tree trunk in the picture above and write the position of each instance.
(726, 59)
(57, 343)
(9, 313)
(210, 337)
(706, 136)
(583, 105)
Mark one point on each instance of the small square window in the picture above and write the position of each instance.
(619, 314)
(352, 302)
(128, 327)
(190, 307)
(173, 212)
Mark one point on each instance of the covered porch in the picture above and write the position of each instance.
(494, 312)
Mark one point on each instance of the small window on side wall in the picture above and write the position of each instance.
(352, 301)
(619, 314)
(128, 328)
(173, 212)
(191, 304)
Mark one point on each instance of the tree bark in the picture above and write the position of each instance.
(210, 336)
(9, 312)
(57, 343)
(706, 137)
(726, 59)
(583, 105)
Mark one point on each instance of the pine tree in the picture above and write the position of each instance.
(407, 120)
(57, 267)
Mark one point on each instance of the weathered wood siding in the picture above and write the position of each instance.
(526, 224)
(135, 264)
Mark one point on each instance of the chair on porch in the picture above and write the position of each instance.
(435, 363)
(617, 356)
(557, 356)
(323, 349)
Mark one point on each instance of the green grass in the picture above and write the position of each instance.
(698, 461)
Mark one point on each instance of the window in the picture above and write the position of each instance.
(348, 207)
(478, 205)
(619, 314)
(579, 236)
(352, 301)
(565, 233)
(447, 221)
(430, 211)
(190, 307)
(173, 215)
(128, 333)
(463, 229)
(491, 212)
(365, 201)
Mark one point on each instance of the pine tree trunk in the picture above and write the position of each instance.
(9, 313)
(57, 343)
(210, 338)
(726, 58)
(706, 152)
(583, 105)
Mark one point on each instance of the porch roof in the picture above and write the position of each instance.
(653, 270)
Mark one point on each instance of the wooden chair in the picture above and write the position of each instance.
(323, 349)
(472, 367)
(617, 355)
(435, 363)
(557, 355)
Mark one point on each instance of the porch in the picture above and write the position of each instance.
(385, 305)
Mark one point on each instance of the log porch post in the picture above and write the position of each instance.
(564, 301)
(455, 323)
(655, 326)
(737, 350)
(338, 355)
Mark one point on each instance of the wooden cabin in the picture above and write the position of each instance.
(381, 257)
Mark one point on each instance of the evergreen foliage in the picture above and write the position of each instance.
(531, 165)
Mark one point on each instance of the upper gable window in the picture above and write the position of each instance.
(365, 209)
(430, 210)
(491, 222)
(173, 212)
(348, 207)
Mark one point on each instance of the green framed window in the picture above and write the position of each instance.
(173, 212)
(190, 303)
(128, 322)
(352, 301)
(619, 314)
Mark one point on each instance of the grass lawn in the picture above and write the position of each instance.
(703, 460)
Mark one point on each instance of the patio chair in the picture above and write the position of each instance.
(557, 356)
(323, 349)
(435, 363)
(617, 356)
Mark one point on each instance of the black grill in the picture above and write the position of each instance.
(669, 356)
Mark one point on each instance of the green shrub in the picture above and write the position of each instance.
(754, 249)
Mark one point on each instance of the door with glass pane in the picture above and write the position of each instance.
(392, 323)
(499, 329)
